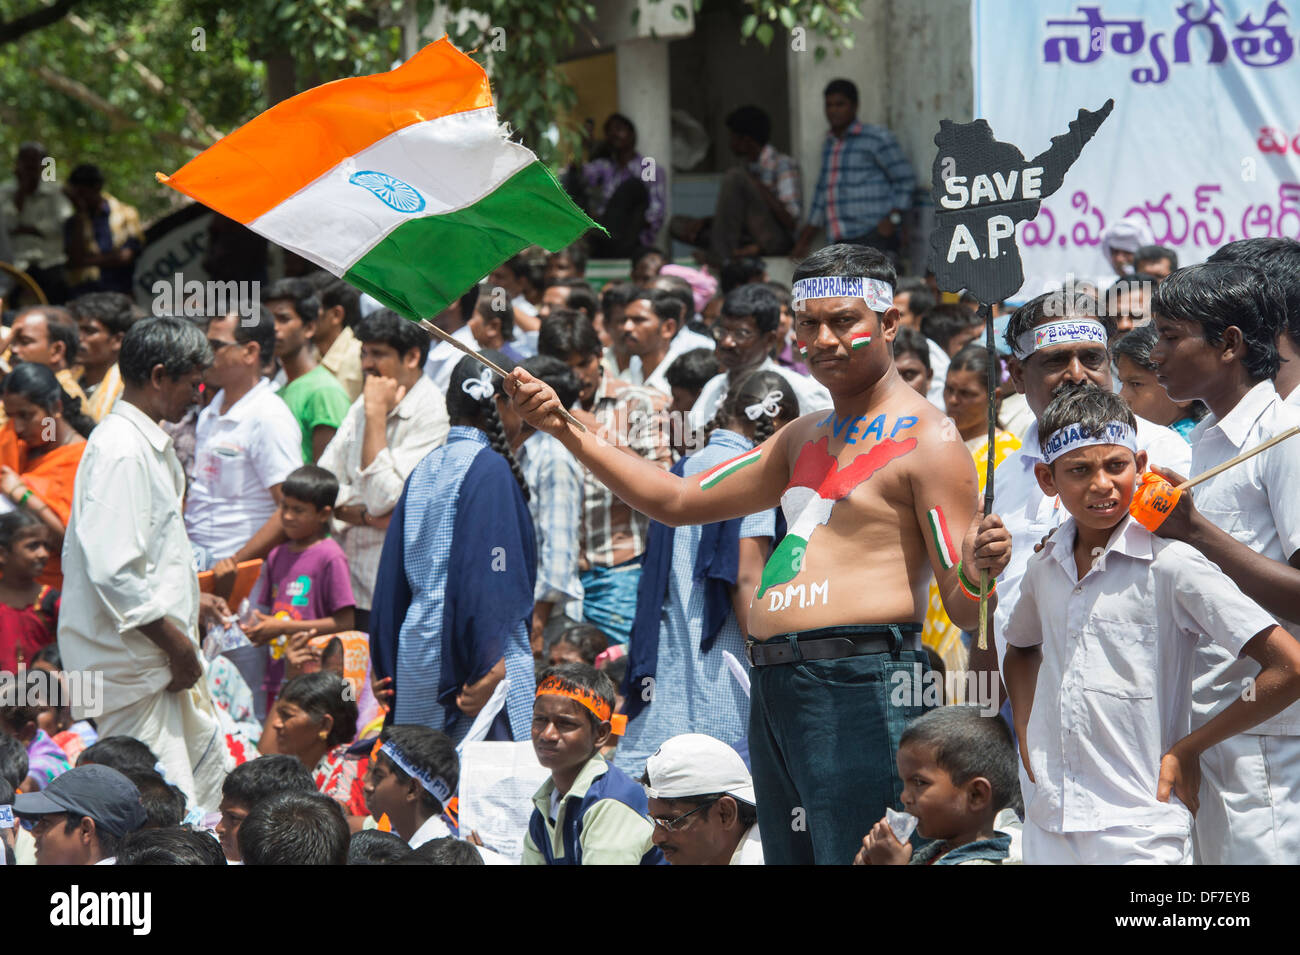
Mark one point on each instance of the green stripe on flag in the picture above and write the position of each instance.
(425, 264)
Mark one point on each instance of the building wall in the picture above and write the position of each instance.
(712, 72)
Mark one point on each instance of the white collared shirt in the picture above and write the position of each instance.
(684, 341)
(1114, 688)
(939, 362)
(1258, 503)
(238, 457)
(749, 851)
(126, 559)
(1029, 514)
(414, 428)
(812, 396)
(1294, 397)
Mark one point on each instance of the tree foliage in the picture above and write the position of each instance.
(142, 86)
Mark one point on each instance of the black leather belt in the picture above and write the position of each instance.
(833, 643)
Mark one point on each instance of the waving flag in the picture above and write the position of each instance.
(402, 183)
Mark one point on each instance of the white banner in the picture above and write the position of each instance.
(1204, 142)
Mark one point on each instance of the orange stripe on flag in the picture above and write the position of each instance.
(294, 143)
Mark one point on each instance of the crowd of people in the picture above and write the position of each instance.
(714, 547)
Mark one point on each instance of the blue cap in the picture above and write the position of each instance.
(100, 792)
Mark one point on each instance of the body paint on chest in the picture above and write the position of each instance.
(854, 428)
(817, 483)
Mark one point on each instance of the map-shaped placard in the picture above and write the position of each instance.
(982, 190)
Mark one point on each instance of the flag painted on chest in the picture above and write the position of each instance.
(403, 183)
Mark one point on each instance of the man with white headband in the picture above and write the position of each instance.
(1058, 341)
(1100, 650)
(879, 494)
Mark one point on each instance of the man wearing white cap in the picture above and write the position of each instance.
(1121, 240)
(702, 803)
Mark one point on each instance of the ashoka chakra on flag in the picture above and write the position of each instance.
(389, 189)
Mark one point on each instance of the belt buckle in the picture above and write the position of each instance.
(749, 650)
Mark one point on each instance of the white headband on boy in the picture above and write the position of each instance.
(1074, 436)
(878, 295)
(1060, 332)
(436, 785)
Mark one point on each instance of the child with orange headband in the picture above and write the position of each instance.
(588, 812)
(1099, 656)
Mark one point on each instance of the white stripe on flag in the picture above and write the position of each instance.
(452, 161)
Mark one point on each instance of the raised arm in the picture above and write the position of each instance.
(748, 483)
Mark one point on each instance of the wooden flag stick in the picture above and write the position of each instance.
(986, 312)
(1232, 462)
(437, 332)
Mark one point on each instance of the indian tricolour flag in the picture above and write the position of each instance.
(402, 183)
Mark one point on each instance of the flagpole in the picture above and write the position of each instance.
(437, 332)
(986, 312)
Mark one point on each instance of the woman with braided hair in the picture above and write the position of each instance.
(696, 585)
(454, 592)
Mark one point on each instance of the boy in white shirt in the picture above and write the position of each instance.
(1100, 652)
(1218, 325)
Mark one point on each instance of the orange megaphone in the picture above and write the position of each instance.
(1154, 500)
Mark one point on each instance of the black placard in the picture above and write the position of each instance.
(982, 190)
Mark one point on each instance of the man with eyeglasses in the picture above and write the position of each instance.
(701, 800)
(80, 817)
(246, 442)
(746, 335)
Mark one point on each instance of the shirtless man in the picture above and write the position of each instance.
(870, 492)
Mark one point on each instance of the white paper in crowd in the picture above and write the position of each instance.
(737, 670)
(483, 722)
(223, 639)
(902, 824)
(497, 783)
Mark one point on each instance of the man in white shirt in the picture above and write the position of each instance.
(399, 418)
(701, 800)
(746, 334)
(1072, 352)
(130, 595)
(679, 291)
(647, 331)
(247, 441)
(1218, 325)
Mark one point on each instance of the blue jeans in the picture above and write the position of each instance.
(823, 742)
(609, 598)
